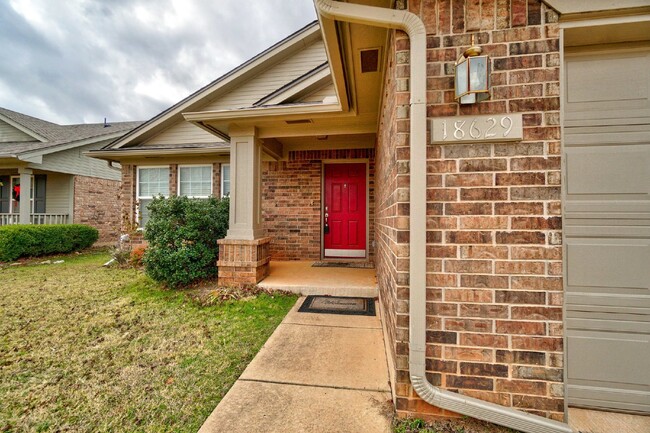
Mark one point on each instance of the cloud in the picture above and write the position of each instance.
(83, 60)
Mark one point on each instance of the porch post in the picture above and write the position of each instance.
(24, 207)
(245, 185)
(244, 254)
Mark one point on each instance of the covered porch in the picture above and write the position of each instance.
(29, 196)
(302, 183)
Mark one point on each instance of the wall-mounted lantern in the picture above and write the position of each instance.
(472, 76)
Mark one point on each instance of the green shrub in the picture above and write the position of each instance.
(182, 235)
(38, 240)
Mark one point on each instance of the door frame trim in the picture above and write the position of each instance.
(324, 162)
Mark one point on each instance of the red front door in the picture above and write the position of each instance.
(345, 210)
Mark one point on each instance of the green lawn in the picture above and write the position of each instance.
(85, 348)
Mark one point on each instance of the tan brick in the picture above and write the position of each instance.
(521, 387)
(483, 252)
(514, 267)
(520, 327)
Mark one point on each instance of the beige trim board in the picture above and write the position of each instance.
(290, 111)
(115, 155)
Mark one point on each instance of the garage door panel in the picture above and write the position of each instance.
(607, 87)
(603, 363)
(606, 263)
(602, 170)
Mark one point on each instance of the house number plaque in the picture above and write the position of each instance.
(474, 129)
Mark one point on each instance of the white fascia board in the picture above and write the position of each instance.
(23, 128)
(36, 159)
(334, 59)
(300, 39)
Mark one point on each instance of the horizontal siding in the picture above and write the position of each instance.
(10, 134)
(273, 78)
(183, 133)
(320, 94)
(57, 193)
(73, 161)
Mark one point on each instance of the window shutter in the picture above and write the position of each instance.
(5, 194)
(39, 193)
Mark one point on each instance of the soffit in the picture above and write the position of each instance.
(567, 7)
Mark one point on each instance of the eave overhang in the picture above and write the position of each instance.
(286, 120)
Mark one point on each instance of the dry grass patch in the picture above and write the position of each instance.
(452, 425)
(85, 348)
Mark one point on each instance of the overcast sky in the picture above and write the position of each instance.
(77, 61)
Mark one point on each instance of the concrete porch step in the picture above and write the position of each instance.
(300, 277)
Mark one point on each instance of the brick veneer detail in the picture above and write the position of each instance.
(97, 204)
(243, 262)
(494, 258)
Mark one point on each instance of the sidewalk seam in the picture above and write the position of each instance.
(306, 385)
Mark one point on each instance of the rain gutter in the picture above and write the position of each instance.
(476, 408)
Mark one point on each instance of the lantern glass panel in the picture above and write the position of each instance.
(462, 80)
(478, 81)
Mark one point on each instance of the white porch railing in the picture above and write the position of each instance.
(8, 219)
(36, 218)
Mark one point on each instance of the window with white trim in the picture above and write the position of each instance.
(152, 182)
(225, 180)
(195, 181)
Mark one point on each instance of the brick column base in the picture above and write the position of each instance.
(243, 262)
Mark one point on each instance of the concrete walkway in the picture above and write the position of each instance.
(316, 373)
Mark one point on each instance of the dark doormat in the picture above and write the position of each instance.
(338, 305)
(361, 265)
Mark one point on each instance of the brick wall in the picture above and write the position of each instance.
(97, 203)
(291, 201)
(392, 219)
(494, 288)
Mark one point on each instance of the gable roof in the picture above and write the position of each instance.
(50, 137)
(220, 86)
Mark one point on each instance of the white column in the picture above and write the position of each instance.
(245, 185)
(24, 207)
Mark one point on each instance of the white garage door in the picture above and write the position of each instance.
(607, 228)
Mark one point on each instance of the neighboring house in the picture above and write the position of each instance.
(511, 236)
(46, 179)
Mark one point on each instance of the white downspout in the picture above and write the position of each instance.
(413, 26)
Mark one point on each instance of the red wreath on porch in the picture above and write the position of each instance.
(16, 193)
